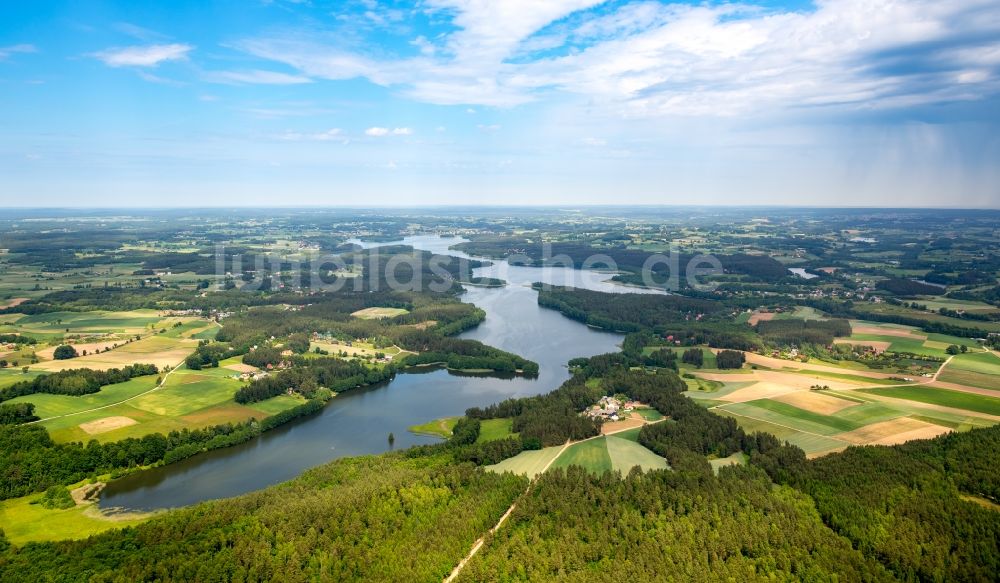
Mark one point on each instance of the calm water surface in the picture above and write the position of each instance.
(358, 422)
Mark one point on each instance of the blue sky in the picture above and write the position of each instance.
(554, 102)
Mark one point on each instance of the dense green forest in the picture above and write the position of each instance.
(394, 517)
(869, 513)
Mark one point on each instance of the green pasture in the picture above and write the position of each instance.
(493, 429)
(438, 427)
(942, 397)
(54, 405)
(527, 463)
(24, 522)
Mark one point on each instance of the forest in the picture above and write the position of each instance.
(857, 515)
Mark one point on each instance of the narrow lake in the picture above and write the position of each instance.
(358, 422)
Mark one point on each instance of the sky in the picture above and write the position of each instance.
(522, 102)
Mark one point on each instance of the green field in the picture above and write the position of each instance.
(492, 429)
(591, 454)
(980, 369)
(847, 419)
(439, 427)
(943, 397)
(120, 322)
(649, 414)
(611, 452)
(24, 522)
(187, 399)
(809, 443)
(527, 463)
(53, 405)
(737, 459)
(626, 454)
(373, 313)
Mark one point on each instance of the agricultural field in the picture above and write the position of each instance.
(609, 453)
(376, 313)
(161, 350)
(439, 427)
(528, 463)
(493, 429)
(981, 370)
(821, 410)
(24, 520)
(186, 399)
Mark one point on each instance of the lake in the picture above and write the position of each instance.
(358, 422)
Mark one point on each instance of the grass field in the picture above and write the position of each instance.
(943, 397)
(52, 405)
(809, 443)
(161, 350)
(649, 414)
(611, 452)
(188, 399)
(24, 522)
(373, 313)
(591, 454)
(737, 459)
(527, 463)
(980, 369)
(626, 454)
(439, 427)
(492, 429)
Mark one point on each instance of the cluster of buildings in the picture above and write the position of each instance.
(611, 408)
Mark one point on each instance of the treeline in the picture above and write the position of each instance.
(850, 310)
(33, 462)
(523, 252)
(76, 381)
(796, 332)
(15, 413)
(908, 287)
(552, 418)
(308, 375)
(394, 517)
(208, 354)
(666, 526)
(903, 505)
(624, 312)
(460, 354)
(17, 339)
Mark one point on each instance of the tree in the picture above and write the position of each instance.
(693, 356)
(729, 359)
(953, 350)
(64, 352)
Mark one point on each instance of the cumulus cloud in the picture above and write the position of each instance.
(143, 56)
(660, 59)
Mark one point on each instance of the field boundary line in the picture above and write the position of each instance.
(779, 424)
(157, 387)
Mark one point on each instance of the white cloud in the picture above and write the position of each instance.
(143, 56)
(256, 77)
(488, 128)
(647, 59)
(6, 52)
(330, 135)
(378, 132)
